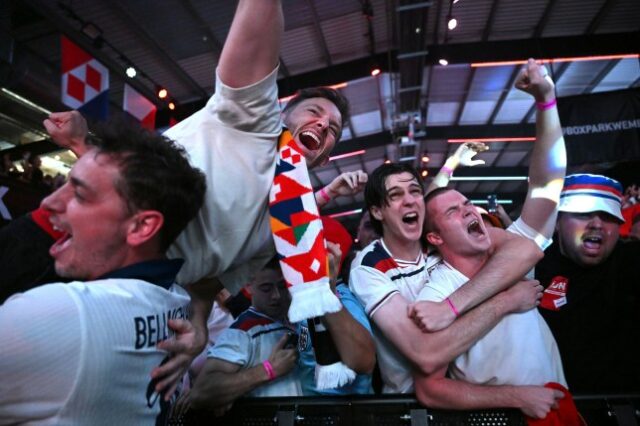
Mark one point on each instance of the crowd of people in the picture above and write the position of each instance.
(148, 284)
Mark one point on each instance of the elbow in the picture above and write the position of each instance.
(430, 364)
(362, 361)
(424, 394)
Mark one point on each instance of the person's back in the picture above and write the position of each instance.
(109, 333)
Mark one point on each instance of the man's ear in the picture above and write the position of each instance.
(144, 226)
(434, 238)
(376, 213)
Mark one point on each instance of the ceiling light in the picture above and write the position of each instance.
(347, 213)
(443, 62)
(417, 30)
(346, 155)
(425, 158)
(131, 72)
(424, 172)
(375, 71)
(485, 140)
(172, 106)
(452, 23)
(558, 60)
(455, 1)
(475, 178)
(162, 92)
(486, 202)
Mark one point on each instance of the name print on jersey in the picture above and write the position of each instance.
(152, 329)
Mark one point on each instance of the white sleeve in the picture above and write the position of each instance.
(40, 346)
(371, 287)
(253, 108)
(233, 346)
(519, 227)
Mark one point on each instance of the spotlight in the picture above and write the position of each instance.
(172, 106)
(425, 158)
(131, 72)
(452, 23)
(375, 71)
(455, 1)
(443, 62)
(162, 92)
(424, 173)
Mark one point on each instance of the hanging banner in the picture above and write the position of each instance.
(139, 107)
(601, 127)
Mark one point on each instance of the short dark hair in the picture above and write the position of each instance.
(375, 191)
(429, 226)
(332, 95)
(155, 174)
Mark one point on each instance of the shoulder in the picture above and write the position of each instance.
(375, 256)
(250, 319)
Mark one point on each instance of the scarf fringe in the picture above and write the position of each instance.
(333, 376)
(310, 300)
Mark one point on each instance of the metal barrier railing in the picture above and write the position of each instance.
(598, 410)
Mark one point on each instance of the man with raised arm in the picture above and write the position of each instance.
(509, 365)
(389, 273)
(233, 139)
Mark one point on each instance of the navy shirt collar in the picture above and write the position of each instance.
(161, 272)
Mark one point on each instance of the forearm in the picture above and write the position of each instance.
(352, 340)
(436, 350)
(548, 158)
(444, 174)
(252, 47)
(451, 394)
(513, 258)
(216, 388)
(323, 196)
(202, 294)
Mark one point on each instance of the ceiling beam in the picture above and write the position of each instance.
(601, 75)
(492, 15)
(467, 92)
(319, 35)
(505, 93)
(537, 32)
(161, 54)
(602, 13)
(60, 23)
(440, 133)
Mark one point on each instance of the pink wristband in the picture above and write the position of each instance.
(453, 308)
(447, 170)
(543, 106)
(324, 195)
(269, 369)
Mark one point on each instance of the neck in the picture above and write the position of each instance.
(467, 265)
(405, 250)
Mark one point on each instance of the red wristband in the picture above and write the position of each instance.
(269, 369)
(452, 306)
(324, 195)
(543, 106)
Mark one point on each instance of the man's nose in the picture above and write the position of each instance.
(57, 201)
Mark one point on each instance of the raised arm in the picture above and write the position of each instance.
(252, 47)
(68, 129)
(432, 351)
(462, 157)
(347, 183)
(548, 163)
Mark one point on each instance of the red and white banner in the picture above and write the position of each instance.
(141, 108)
(85, 81)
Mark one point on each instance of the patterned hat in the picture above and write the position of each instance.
(585, 193)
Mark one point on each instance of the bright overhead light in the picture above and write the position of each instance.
(425, 158)
(346, 155)
(475, 178)
(375, 71)
(162, 93)
(527, 139)
(443, 62)
(486, 202)
(455, 1)
(452, 23)
(131, 72)
(417, 30)
(557, 60)
(347, 213)
(334, 87)
(424, 173)
(172, 106)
